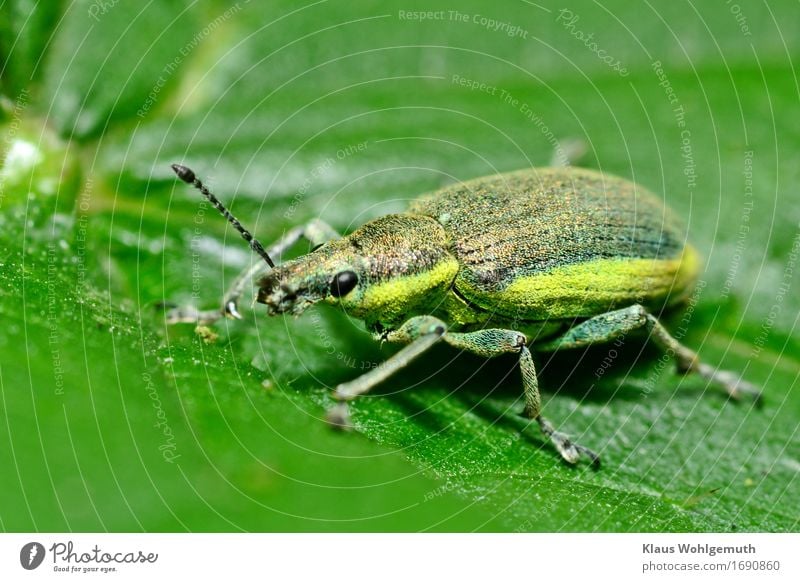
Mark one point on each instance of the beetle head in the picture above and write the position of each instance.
(294, 286)
(380, 272)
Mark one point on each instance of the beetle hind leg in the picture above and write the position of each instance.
(610, 326)
(688, 362)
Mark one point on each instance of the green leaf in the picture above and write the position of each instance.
(116, 421)
(25, 29)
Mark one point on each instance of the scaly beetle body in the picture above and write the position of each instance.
(541, 259)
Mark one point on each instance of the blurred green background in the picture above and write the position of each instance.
(113, 421)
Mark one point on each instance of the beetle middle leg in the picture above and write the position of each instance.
(611, 325)
(420, 333)
(316, 232)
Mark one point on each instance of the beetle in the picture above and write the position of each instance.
(540, 260)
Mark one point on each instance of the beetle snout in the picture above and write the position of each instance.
(283, 295)
(278, 295)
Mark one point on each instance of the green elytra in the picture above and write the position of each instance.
(537, 260)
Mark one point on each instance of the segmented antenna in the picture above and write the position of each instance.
(188, 176)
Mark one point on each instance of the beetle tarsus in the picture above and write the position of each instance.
(594, 458)
(736, 387)
(339, 417)
(188, 314)
(570, 451)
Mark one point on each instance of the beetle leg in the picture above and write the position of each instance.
(688, 362)
(494, 342)
(420, 333)
(609, 326)
(316, 232)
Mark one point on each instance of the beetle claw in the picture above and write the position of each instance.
(231, 311)
(741, 390)
(594, 458)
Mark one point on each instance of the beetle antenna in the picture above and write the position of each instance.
(188, 176)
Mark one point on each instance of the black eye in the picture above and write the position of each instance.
(343, 283)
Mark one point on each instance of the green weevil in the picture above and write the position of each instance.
(537, 260)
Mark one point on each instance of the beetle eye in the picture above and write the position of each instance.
(343, 283)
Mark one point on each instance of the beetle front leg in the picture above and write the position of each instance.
(316, 232)
(420, 333)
